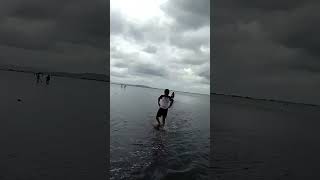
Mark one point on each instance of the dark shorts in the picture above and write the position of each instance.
(162, 112)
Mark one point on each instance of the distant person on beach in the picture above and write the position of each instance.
(47, 79)
(165, 102)
(38, 77)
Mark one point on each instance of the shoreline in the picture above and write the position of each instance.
(265, 99)
(60, 74)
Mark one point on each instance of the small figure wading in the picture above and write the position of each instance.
(47, 79)
(38, 77)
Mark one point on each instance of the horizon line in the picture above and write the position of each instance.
(137, 85)
(159, 88)
(265, 99)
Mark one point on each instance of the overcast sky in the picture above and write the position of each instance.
(268, 49)
(161, 43)
(55, 35)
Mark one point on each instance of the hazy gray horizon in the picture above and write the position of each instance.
(171, 90)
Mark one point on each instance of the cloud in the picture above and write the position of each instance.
(54, 29)
(150, 49)
(192, 39)
(267, 49)
(161, 48)
(188, 14)
(148, 69)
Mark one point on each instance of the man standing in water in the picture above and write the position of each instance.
(164, 102)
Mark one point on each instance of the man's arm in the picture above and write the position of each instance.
(159, 100)
(171, 102)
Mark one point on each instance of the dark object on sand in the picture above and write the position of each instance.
(19, 100)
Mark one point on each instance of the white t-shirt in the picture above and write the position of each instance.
(165, 102)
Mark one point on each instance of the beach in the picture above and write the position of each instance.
(54, 131)
(138, 151)
(256, 139)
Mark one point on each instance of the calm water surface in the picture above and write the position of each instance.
(138, 151)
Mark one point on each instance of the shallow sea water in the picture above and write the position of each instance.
(138, 151)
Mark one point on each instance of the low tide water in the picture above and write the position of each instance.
(138, 151)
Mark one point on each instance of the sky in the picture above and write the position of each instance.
(161, 43)
(267, 49)
(59, 35)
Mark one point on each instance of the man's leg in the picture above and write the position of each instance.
(164, 120)
(158, 121)
(157, 116)
(164, 116)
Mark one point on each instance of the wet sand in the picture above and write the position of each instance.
(263, 140)
(52, 132)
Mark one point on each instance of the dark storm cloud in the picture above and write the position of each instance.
(300, 29)
(43, 26)
(120, 26)
(72, 21)
(150, 49)
(120, 64)
(192, 42)
(194, 61)
(117, 22)
(197, 60)
(32, 9)
(264, 49)
(167, 48)
(205, 73)
(189, 13)
(135, 64)
(148, 69)
(271, 5)
(28, 35)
